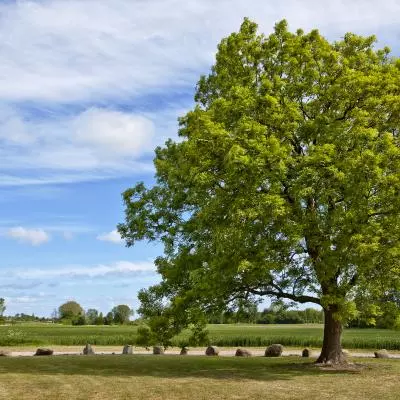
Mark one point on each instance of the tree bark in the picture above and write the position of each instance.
(331, 348)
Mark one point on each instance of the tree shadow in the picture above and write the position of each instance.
(167, 366)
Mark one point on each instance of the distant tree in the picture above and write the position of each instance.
(246, 311)
(108, 319)
(55, 315)
(100, 319)
(121, 314)
(70, 310)
(91, 316)
(79, 320)
(2, 306)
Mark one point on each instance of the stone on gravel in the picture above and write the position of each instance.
(275, 350)
(127, 349)
(87, 351)
(381, 354)
(158, 350)
(212, 351)
(306, 352)
(184, 351)
(5, 353)
(43, 352)
(242, 353)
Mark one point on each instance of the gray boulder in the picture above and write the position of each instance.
(242, 353)
(127, 349)
(184, 351)
(275, 350)
(381, 354)
(5, 353)
(212, 351)
(87, 350)
(306, 352)
(43, 352)
(158, 350)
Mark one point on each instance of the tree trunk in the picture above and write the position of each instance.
(331, 348)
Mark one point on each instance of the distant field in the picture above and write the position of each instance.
(221, 335)
(196, 378)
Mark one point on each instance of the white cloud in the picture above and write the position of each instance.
(56, 55)
(32, 236)
(75, 50)
(113, 237)
(100, 142)
(101, 270)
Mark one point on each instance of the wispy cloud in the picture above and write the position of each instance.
(19, 286)
(101, 143)
(113, 237)
(62, 63)
(34, 237)
(101, 270)
(68, 51)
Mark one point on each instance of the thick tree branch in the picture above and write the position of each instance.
(284, 295)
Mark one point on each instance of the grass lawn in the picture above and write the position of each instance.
(200, 377)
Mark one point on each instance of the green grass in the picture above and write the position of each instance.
(191, 377)
(220, 335)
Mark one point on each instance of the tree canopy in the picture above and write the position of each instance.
(121, 314)
(70, 310)
(284, 181)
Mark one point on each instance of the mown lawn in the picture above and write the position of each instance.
(221, 335)
(198, 377)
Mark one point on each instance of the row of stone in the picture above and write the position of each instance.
(87, 350)
(275, 350)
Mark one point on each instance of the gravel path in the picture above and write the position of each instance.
(198, 352)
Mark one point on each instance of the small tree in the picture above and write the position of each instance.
(121, 314)
(284, 183)
(109, 318)
(100, 319)
(91, 316)
(2, 306)
(70, 310)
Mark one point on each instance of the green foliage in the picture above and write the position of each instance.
(145, 338)
(91, 316)
(100, 319)
(121, 314)
(109, 318)
(79, 320)
(70, 310)
(284, 182)
(2, 306)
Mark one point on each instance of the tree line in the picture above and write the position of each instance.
(72, 313)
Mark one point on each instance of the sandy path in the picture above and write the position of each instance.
(193, 352)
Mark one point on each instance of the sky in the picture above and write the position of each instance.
(88, 89)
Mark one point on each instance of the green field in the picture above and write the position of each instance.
(195, 378)
(220, 335)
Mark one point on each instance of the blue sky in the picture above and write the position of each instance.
(88, 89)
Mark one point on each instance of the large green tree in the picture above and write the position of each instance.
(284, 181)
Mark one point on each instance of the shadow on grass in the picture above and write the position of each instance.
(224, 368)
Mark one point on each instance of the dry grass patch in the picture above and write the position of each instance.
(200, 377)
